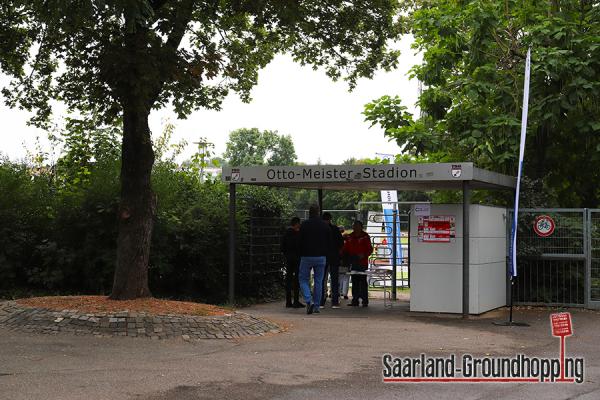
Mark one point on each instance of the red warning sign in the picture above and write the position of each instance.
(544, 225)
(561, 324)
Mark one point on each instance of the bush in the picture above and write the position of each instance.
(53, 239)
(58, 229)
(189, 257)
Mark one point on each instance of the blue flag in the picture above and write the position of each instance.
(389, 199)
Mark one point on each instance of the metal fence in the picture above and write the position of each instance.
(381, 231)
(562, 269)
(261, 261)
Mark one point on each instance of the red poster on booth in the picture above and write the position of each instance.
(436, 228)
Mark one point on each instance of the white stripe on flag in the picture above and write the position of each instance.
(513, 247)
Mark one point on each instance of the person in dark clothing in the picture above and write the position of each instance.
(357, 250)
(332, 267)
(290, 247)
(315, 242)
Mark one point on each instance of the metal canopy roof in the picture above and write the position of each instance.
(374, 177)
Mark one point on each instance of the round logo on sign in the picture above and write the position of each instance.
(543, 225)
(456, 171)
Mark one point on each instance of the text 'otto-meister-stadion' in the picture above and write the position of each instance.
(369, 172)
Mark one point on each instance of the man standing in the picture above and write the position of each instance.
(290, 247)
(315, 242)
(357, 249)
(333, 263)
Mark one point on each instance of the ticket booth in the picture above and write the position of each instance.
(436, 258)
(448, 274)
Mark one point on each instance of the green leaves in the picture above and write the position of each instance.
(252, 147)
(95, 55)
(472, 73)
(14, 40)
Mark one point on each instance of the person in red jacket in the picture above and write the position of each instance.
(357, 249)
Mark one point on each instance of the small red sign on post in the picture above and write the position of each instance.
(561, 327)
(561, 324)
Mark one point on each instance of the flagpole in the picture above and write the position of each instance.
(513, 231)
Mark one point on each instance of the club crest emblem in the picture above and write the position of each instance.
(456, 171)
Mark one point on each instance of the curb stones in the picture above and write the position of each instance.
(132, 324)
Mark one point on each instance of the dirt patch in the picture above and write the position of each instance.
(100, 304)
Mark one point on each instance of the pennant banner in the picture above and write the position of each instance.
(513, 236)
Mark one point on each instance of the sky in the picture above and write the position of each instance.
(323, 118)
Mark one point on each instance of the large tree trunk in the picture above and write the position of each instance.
(137, 207)
(145, 65)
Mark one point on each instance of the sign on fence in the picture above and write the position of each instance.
(544, 225)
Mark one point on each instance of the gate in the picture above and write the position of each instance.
(551, 270)
(260, 271)
(563, 268)
(381, 231)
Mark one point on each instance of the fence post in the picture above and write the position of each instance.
(587, 250)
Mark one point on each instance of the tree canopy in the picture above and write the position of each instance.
(472, 75)
(123, 58)
(252, 147)
(188, 53)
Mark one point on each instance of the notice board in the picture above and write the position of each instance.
(436, 228)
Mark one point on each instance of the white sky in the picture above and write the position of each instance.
(323, 118)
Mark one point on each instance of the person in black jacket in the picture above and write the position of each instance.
(290, 247)
(333, 263)
(315, 242)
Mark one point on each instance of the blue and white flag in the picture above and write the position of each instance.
(513, 234)
(389, 200)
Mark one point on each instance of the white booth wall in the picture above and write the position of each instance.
(436, 268)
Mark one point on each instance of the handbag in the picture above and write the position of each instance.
(355, 264)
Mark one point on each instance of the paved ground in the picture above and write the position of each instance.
(334, 355)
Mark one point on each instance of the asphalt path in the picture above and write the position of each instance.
(333, 355)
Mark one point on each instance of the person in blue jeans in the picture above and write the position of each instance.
(315, 242)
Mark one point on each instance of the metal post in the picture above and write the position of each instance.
(232, 235)
(408, 251)
(508, 251)
(394, 252)
(251, 251)
(320, 200)
(510, 302)
(465, 275)
(510, 284)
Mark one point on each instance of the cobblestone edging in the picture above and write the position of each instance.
(187, 327)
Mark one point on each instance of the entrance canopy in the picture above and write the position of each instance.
(449, 176)
(371, 177)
